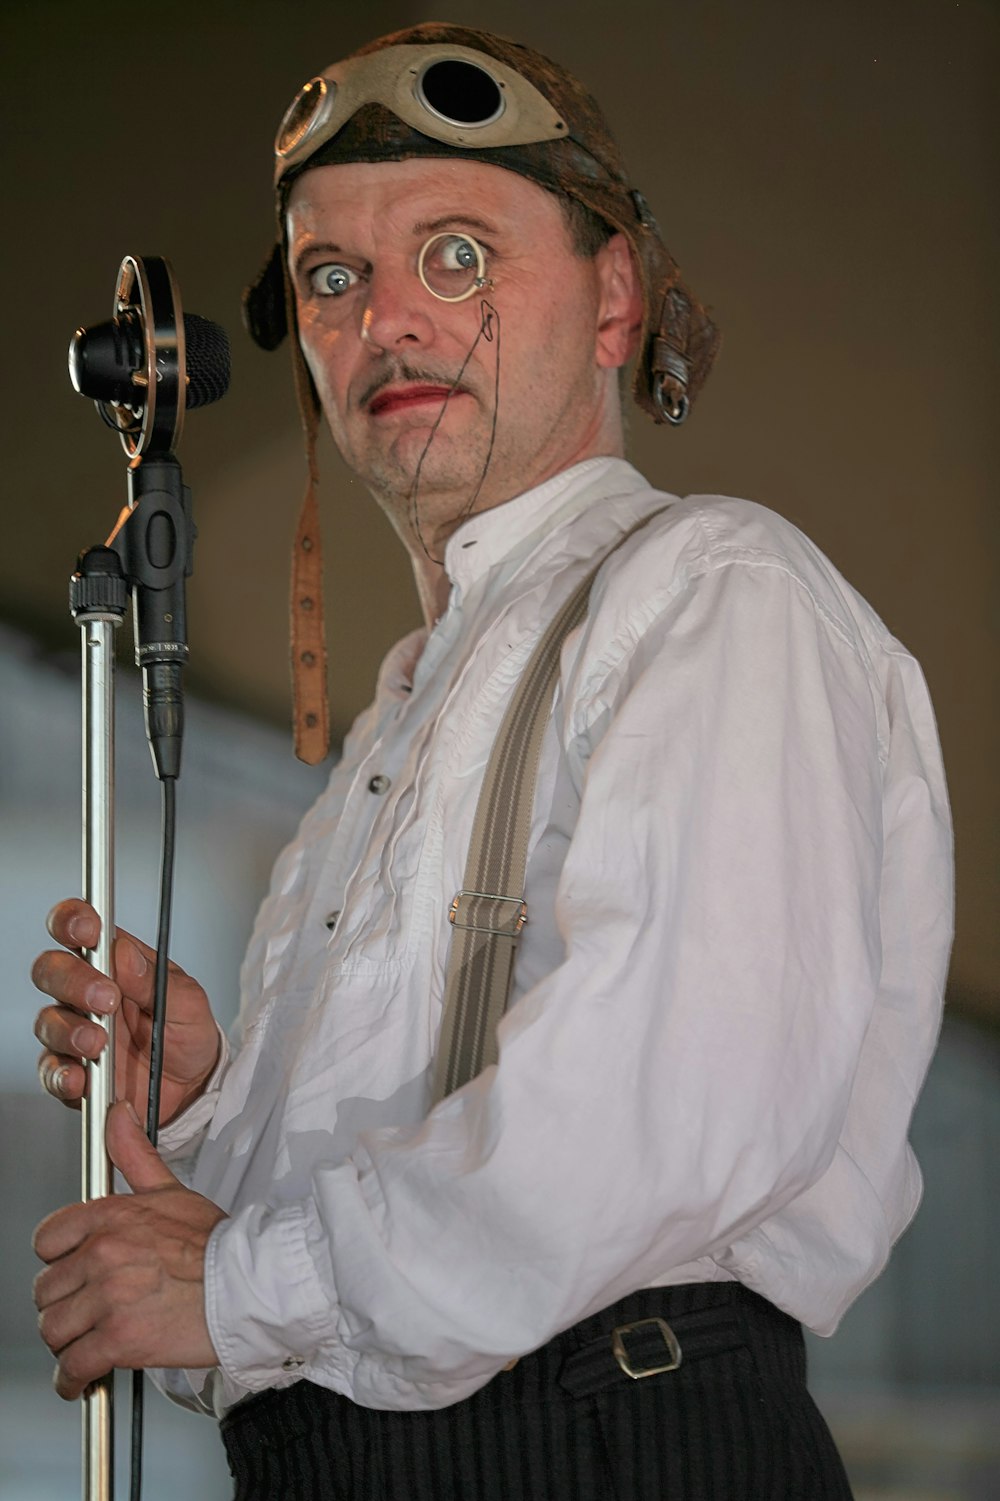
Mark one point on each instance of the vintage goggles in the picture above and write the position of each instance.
(450, 93)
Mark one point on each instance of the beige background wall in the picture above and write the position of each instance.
(826, 174)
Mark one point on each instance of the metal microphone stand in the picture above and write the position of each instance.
(154, 542)
(136, 367)
(98, 600)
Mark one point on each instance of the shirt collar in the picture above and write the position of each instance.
(496, 535)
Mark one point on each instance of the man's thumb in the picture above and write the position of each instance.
(130, 1151)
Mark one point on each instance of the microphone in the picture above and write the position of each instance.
(105, 359)
(144, 367)
(149, 362)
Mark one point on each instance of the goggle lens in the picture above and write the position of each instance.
(460, 93)
(306, 113)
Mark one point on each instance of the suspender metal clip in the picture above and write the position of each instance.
(464, 911)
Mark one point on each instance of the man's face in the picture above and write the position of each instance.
(384, 352)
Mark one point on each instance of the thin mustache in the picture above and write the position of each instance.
(411, 373)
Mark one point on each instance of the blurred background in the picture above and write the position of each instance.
(826, 175)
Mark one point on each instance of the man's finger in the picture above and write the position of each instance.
(63, 1230)
(133, 966)
(72, 981)
(135, 969)
(58, 1281)
(69, 1035)
(63, 1078)
(74, 923)
(81, 1363)
(132, 1154)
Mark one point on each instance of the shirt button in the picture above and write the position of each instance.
(292, 1363)
(379, 783)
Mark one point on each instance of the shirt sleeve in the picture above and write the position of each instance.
(678, 1078)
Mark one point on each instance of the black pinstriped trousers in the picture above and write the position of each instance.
(733, 1423)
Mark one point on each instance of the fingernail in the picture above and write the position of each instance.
(131, 1111)
(78, 930)
(83, 1040)
(139, 961)
(101, 996)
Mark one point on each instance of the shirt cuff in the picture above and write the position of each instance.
(269, 1306)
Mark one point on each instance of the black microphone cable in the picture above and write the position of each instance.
(161, 974)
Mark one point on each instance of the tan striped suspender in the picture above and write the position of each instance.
(490, 910)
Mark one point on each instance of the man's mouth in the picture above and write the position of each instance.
(399, 398)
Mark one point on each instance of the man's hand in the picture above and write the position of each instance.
(191, 1040)
(125, 1281)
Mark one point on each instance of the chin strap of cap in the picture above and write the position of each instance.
(311, 710)
(269, 315)
(308, 637)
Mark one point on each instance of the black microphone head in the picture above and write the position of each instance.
(103, 358)
(208, 361)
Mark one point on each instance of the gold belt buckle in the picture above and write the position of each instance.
(621, 1355)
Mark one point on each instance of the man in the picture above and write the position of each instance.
(579, 1271)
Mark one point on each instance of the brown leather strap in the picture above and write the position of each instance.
(307, 630)
(670, 354)
(308, 637)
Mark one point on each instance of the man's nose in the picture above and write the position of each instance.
(397, 311)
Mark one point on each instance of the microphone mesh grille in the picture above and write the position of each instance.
(208, 360)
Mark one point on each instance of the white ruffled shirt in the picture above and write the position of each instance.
(725, 1001)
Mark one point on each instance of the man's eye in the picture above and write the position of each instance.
(457, 254)
(332, 279)
(452, 266)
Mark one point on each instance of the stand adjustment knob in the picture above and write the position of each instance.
(98, 587)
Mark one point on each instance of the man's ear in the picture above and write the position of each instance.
(619, 321)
